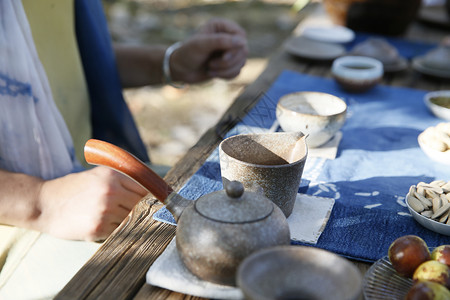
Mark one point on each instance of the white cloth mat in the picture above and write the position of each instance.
(309, 217)
(306, 223)
(168, 272)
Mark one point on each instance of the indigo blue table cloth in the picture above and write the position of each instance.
(378, 160)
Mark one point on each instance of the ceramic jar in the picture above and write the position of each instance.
(389, 17)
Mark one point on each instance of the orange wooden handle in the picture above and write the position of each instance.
(102, 153)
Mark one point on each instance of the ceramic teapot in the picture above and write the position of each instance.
(215, 232)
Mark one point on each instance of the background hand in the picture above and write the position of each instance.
(219, 49)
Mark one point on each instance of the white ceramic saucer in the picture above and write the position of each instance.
(306, 48)
(333, 34)
(419, 66)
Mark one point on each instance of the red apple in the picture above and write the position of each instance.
(427, 290)
(406, 253)
(442, 254)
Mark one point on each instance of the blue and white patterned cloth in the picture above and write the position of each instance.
(378, 160)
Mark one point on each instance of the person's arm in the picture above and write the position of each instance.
(218, 49)
(83, 206)
(139, 65)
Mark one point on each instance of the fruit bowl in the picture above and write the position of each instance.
(382, 282)
(411, 270)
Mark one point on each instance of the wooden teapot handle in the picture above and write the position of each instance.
(102, 153)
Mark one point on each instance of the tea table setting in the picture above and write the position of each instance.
(327, 146)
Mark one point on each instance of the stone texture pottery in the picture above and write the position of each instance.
(318, 115)
(269, 162)
(298, 272)
(215, 232)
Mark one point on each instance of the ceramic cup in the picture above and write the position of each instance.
(269, 162)
(357, 73)
(319, 115)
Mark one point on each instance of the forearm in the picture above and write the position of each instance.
(19, 199)
(139, 66)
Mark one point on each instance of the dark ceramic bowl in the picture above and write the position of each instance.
(298, 272)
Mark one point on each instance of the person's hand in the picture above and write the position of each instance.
(88, 205)
(218, 49)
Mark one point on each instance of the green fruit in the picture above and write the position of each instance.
(433, 270)
(428, 290)
(406, 253)
(442, 254)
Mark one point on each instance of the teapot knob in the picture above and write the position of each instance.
(234, 189)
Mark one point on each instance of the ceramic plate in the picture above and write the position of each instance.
(330, 34)
(435, 14)
(315, 50)
(438, 156)
(418, 65)
(382, 282)
(437, 110)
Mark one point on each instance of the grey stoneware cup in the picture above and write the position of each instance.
(271, 163)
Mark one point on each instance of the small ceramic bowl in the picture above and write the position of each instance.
(435, 142)
(357, 73)
(427, 222)
(439, 103)
(433, 154)
(298, 272)
(318, 115)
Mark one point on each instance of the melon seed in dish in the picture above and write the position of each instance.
(431, 200)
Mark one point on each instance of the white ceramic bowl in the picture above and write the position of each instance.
(427, 222)
(357, 73)
(438, 110)
(433, 154)
(298, 272)
(319, 115)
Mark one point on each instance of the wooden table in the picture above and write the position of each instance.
(117, 270)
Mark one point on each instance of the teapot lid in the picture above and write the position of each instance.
(232, 205)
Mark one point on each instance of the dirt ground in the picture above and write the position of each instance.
(171, 120)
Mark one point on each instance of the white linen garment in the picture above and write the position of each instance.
(34, 139)
(33, 136)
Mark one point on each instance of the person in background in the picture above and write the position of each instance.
(61, 83)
